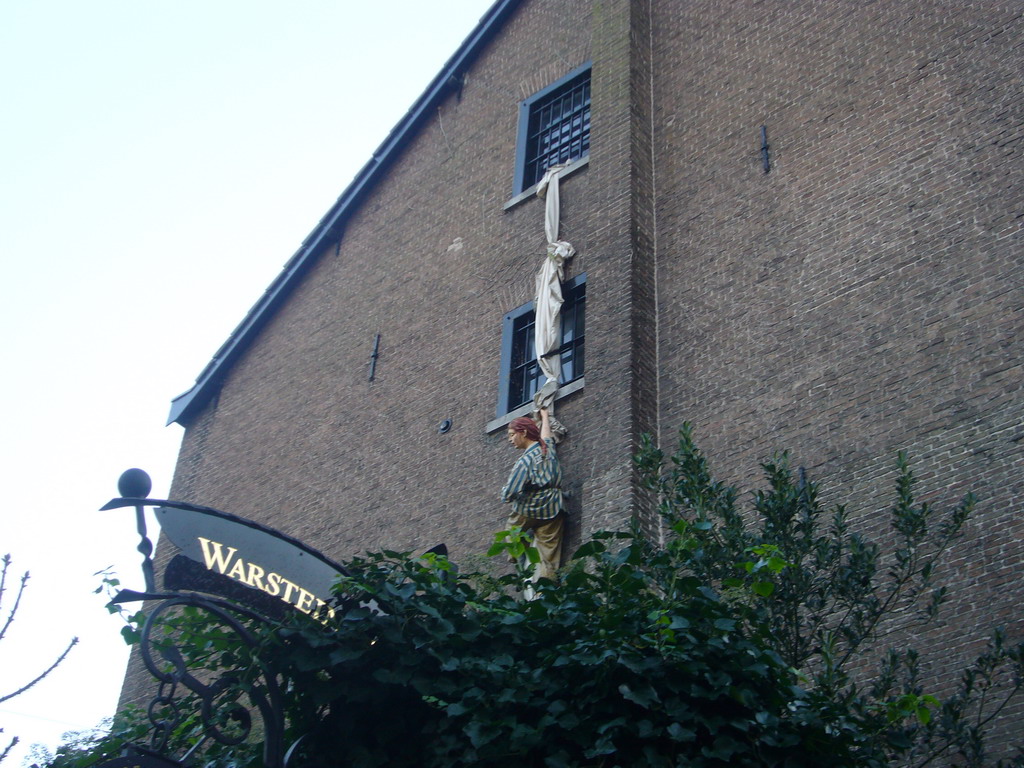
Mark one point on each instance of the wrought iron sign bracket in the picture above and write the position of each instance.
(235, 571)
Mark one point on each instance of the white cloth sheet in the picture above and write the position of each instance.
(548, 302)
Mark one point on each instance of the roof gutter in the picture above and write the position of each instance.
(332, 225)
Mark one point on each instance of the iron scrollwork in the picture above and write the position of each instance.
(226, 698)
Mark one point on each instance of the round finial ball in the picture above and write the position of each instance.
(445, 426)
(134, 484)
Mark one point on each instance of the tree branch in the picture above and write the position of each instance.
(12, 745)
(72, 644)
(17, 600)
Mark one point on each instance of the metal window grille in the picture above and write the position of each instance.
(525, 376)
(558, 130)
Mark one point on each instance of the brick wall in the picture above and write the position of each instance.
(865, 295)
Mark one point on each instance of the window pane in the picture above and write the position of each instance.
(568, 323)
(525, 382)
(568, 367)
(534, 382)
(522, 340)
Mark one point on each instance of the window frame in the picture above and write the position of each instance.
(508, 337)
(526, 110)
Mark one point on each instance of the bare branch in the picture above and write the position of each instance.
(3, 577)
(72, 644)
(12, 745)
(17, 600)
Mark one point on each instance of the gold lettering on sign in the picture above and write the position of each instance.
(227, 562)
(214, 556)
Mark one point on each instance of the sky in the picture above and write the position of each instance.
(159, 163)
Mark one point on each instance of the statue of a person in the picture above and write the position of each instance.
(534, 489)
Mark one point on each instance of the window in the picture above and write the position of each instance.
(554, 127)
(521, 376)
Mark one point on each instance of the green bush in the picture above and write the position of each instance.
(833, 599)
(627, 662)
(730, 645)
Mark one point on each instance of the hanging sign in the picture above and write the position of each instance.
(248, 555)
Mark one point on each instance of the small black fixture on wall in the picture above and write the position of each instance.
(764, 149)
(373, 358)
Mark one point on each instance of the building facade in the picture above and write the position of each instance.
(797, 224)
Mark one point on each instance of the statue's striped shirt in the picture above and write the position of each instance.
(534, 486)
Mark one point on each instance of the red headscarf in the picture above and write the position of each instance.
(529, 426)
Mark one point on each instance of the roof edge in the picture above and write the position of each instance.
(189, 403)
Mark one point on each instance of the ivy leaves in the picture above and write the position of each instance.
(629, 661)
(731, 645)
